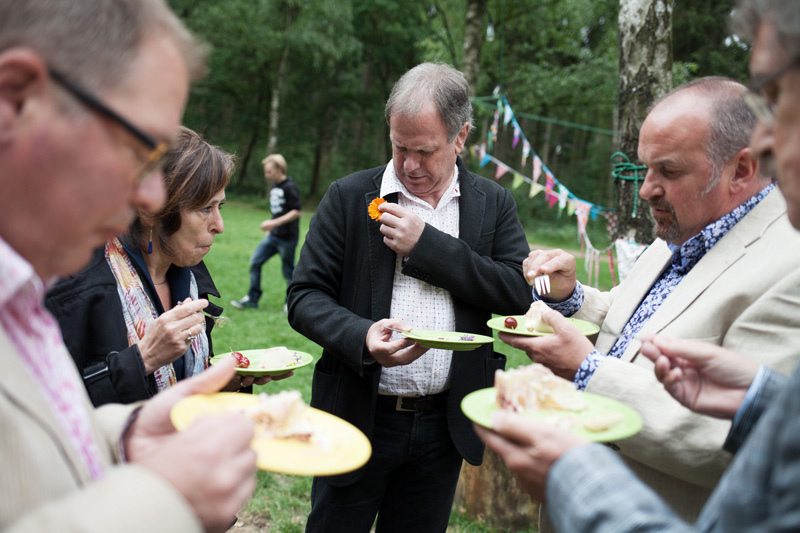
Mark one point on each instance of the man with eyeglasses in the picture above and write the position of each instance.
(91, 93)
(588, 488)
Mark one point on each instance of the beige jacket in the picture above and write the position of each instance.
(44, 484)
(744, 294)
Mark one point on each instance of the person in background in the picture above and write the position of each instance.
(131, 319)
(588, 488)
(91, 96)
(718, 215)
(446, 252)
(282, 232)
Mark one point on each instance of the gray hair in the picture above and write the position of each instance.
(435, 83)
(731, 121)
(784, 15)
(93, 42)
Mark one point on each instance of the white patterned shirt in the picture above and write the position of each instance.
(421, 305)
(35, 334)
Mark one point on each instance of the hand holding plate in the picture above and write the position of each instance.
(562, 351)
(388, 352)
(528, 447)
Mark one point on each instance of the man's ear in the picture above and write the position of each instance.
(23, 79)
(745, 170)
(461, 138)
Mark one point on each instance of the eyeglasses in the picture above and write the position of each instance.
(754, 95)
(156, 157)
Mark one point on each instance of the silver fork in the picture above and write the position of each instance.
(542, 284)
(219, 321)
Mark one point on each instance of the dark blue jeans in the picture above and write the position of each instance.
(409, 482)
(268, 247)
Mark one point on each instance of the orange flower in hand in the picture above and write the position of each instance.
(373, 210)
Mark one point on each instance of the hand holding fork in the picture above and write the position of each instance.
(542, 284)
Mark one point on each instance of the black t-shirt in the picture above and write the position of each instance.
(283, 197)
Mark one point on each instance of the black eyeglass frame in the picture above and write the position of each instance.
(157, 150)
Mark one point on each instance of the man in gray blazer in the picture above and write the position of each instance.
(91, 94)
(718, 216)
(587, 487)
(446, 253)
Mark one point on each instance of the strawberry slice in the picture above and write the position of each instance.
(241, 360)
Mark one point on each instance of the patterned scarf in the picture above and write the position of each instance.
(139, 311)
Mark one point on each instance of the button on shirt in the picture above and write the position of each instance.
(35, 334)
(684, 258)
(419, 304)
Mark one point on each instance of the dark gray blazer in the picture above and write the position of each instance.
(343, 284)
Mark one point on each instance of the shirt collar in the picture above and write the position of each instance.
(391, 184)
(689, 253)
(15, 273)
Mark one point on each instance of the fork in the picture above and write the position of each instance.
(219, 321)
(542, 284)
(397, 330)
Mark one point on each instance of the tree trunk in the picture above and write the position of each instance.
(473, 40)
(645, 73)
(280, 77)
(245, 161)
(490, 494)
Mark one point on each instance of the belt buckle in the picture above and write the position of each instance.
(399, 406)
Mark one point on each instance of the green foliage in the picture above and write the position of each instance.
(556, 59)
(702, 38)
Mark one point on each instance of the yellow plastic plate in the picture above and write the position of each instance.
(337, 447)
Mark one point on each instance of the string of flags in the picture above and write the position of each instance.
(556, 193)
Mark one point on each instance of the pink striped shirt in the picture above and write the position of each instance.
(35, 334)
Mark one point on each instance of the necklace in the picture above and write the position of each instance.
(162, 283)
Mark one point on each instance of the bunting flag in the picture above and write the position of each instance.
(526, 151)
(562, 198)
(535, 189)
(612, 220)
(611, 267)
(502, 168)
(484, 159)
(537, 168)
(556, 193)
(549, 182)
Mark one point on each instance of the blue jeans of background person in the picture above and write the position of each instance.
(268, 247)
(409, 482)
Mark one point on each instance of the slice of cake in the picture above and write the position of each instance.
(533, 318)
(534, 387)
(280, 416)
(279, 357)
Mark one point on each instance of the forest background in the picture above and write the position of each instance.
(321, 71)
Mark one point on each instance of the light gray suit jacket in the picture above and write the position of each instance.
(44, 483)
(590, 490)
(742, 295)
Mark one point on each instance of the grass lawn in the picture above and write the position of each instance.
(281, 503)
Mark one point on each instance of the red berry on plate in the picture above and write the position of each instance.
(510, 323)
(241, 360)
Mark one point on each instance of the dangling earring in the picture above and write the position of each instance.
(150, 244)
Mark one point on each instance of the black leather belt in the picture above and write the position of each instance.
(415, 403)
